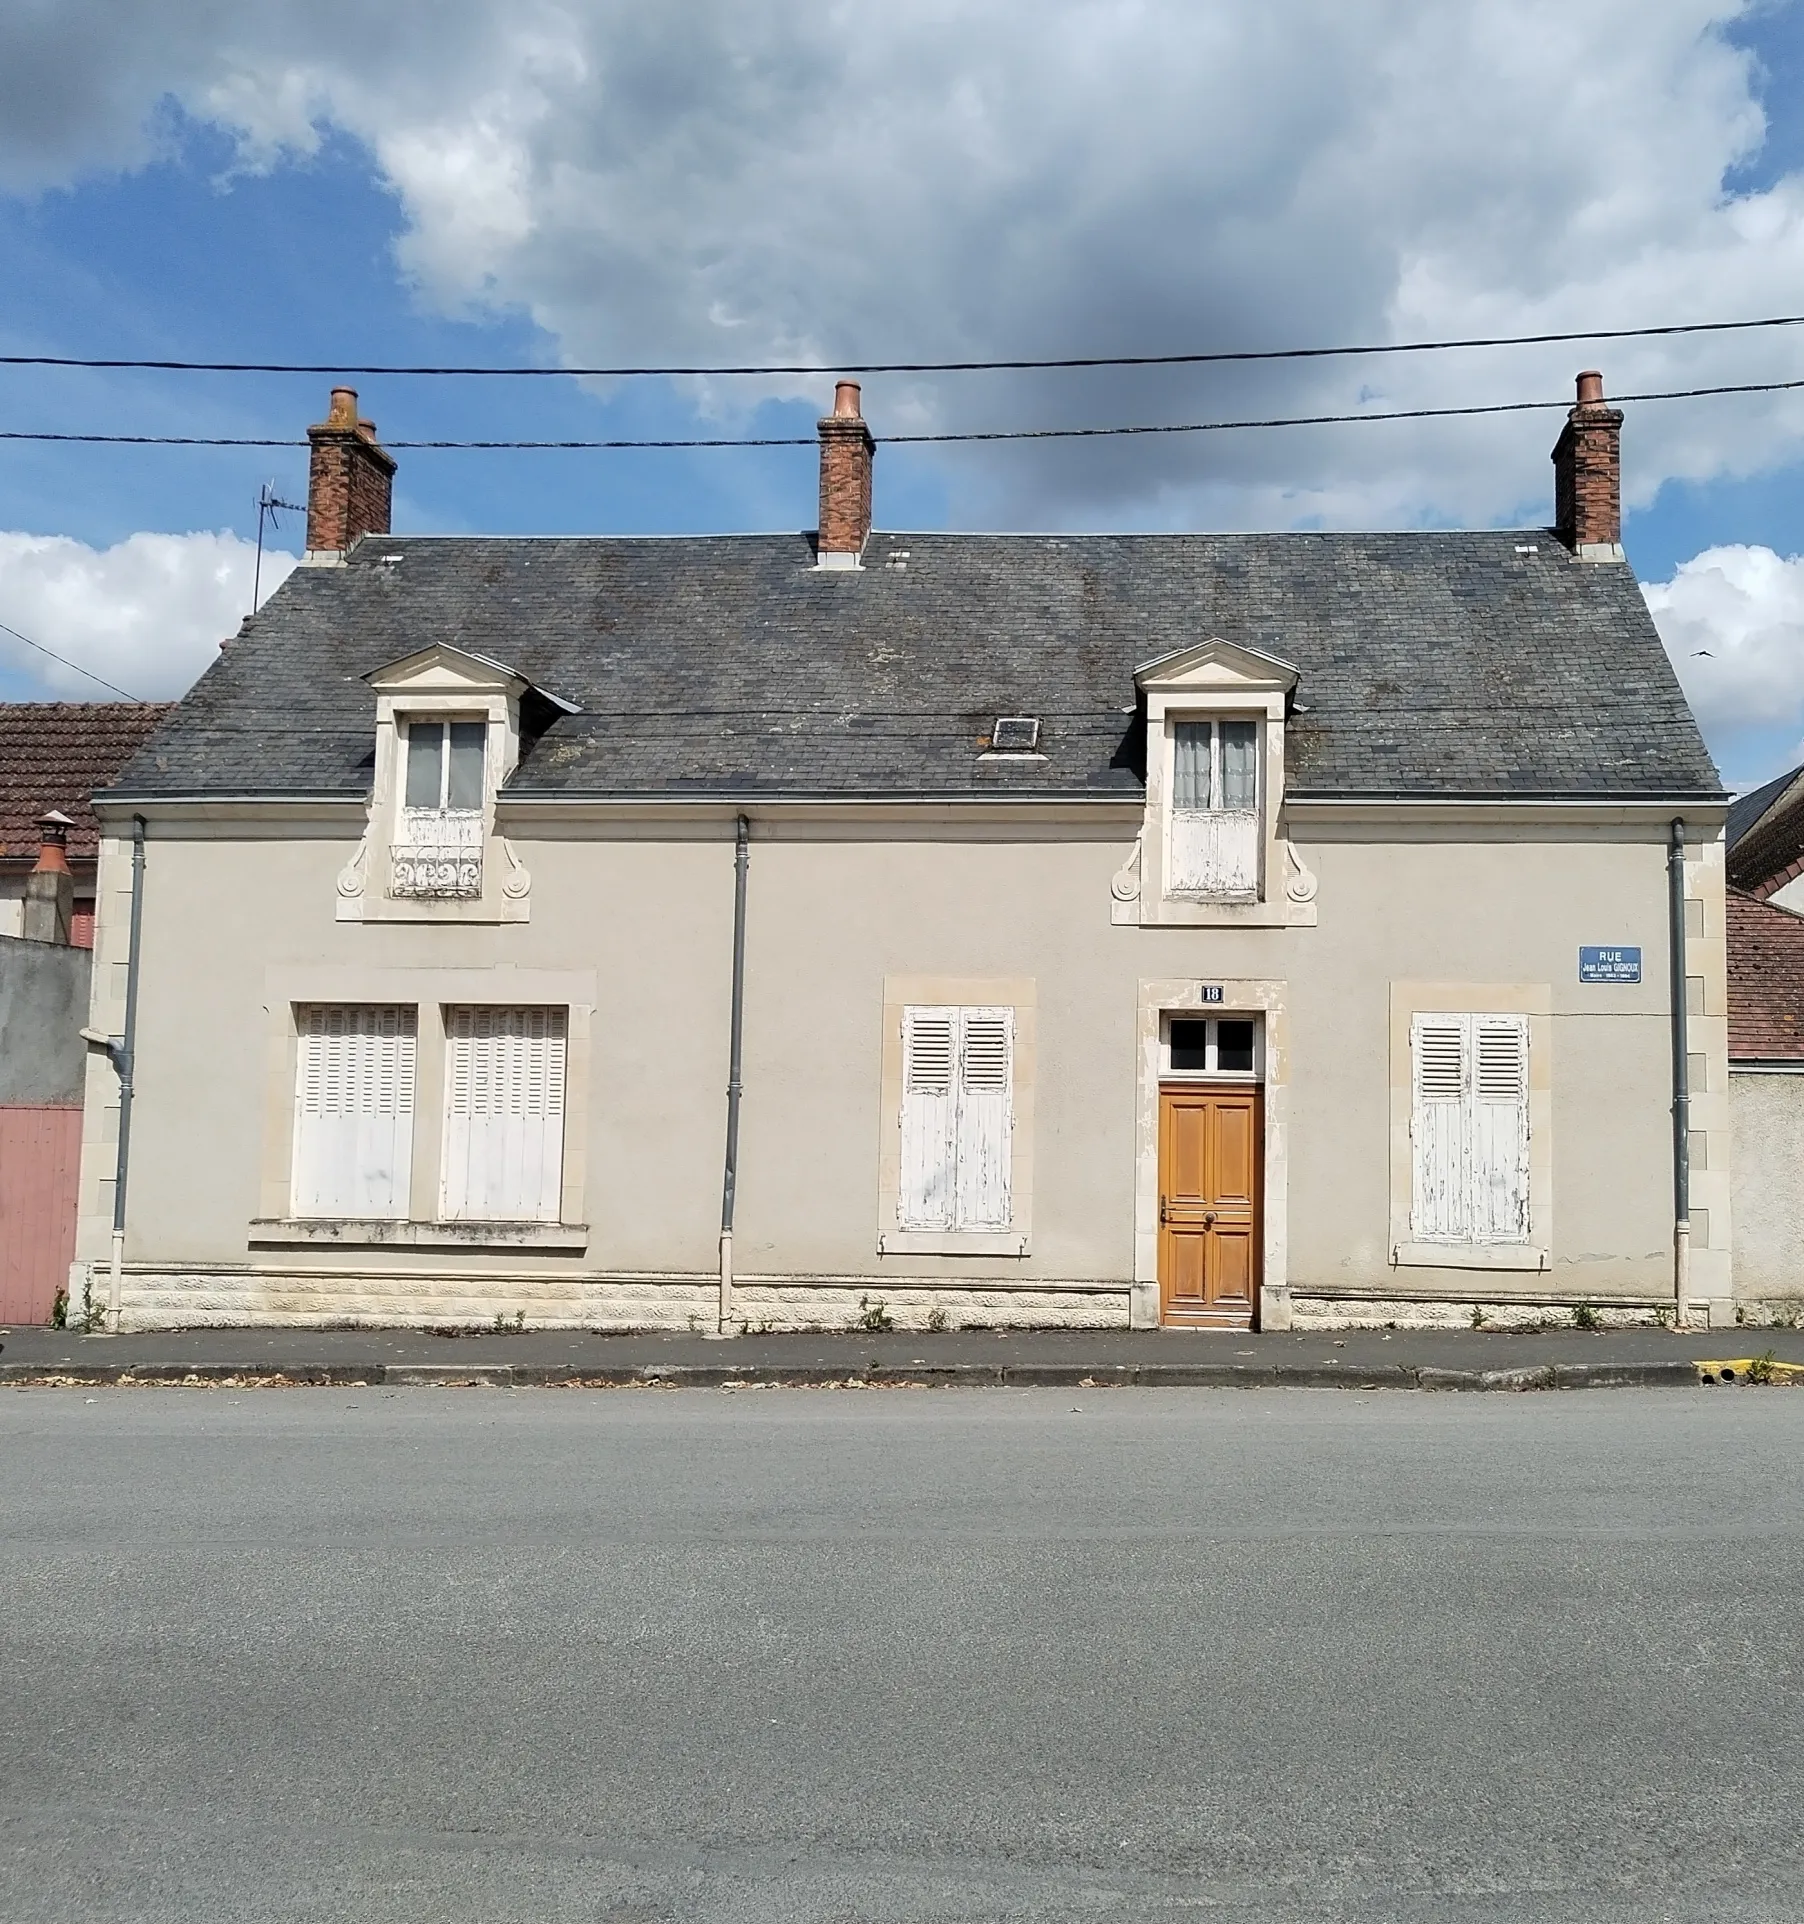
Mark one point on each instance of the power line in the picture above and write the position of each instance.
(66, 662)
(919, 367)
(920, 440)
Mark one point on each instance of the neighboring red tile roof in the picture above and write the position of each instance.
(1766, 981)
(55, 754)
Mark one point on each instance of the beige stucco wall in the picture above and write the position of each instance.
(832, 913)
(1766, 1129)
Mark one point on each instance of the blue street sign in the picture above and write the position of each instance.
(1609, 965)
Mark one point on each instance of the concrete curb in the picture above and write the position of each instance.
(1211, 1376)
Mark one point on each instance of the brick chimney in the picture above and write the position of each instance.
(1587, 475)
(846, 450)
(348, 479)
(50, 888)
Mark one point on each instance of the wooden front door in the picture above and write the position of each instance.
(1210, 1160)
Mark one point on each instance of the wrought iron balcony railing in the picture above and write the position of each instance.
(439, 854)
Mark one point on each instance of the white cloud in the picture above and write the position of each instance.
(148, 614)
(751, 179)
(1732, 619)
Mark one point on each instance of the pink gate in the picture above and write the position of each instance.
(40, 1171)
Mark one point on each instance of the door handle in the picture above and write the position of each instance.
(1208, 1215)
(1164, 1211)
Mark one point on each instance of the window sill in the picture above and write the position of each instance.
(952, 1242)
(1180, 911)
(1517, 1256)
(334, 1232)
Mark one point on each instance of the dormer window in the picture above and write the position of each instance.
(448, 725)
(1211, 851)
(437, 850)
(1216, 835)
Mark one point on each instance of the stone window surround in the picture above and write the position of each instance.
(1268, 1001)
(949, 991)
(1214, 680)
(1533, 1000)
(446, 684)
(431, 991)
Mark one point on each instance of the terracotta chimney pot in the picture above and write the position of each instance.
(53, 843)
(48, 911)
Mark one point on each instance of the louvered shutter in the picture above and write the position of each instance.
(353, 1127)
(504, 1114)
(985, 1117)
(1498, 1129)
(1439, 1209)
(1469, 1129)
(927, 1193)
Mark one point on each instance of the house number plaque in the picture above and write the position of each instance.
(1211, 991)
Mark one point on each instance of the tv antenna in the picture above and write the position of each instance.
(268, 505)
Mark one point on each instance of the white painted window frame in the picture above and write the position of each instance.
(1469, 1144)
(505, 1107)
(457, 835)
(290, 989)
(956, 1119)
(902, 1245)
(1216, 820)
(1532, 1004)
(1213, 1073)
(355, 1162)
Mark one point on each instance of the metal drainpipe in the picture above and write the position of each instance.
(730, 1177)
(1681, 1083)
(123, 1058)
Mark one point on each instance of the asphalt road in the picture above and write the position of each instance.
(900, 1655)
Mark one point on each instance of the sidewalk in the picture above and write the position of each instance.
(1353, 1359)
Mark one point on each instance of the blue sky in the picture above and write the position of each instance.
(205, 218)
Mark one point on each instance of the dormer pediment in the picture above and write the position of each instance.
(1216, 666)
(442, 669)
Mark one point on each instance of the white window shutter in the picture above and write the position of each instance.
(353, 1125)
(926, 1196)
(1439, 1051)
(1498, 1129)
(1216, 854)
(504, 1114)
(985, 1117)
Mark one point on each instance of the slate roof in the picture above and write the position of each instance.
(1765, 833)
(1766, 981)
(1431, 664)
(55, 754)
(1746, 810)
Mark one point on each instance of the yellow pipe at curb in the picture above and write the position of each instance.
(1750, 1369)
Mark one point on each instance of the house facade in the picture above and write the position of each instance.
(959, 930)
(1765, 844)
